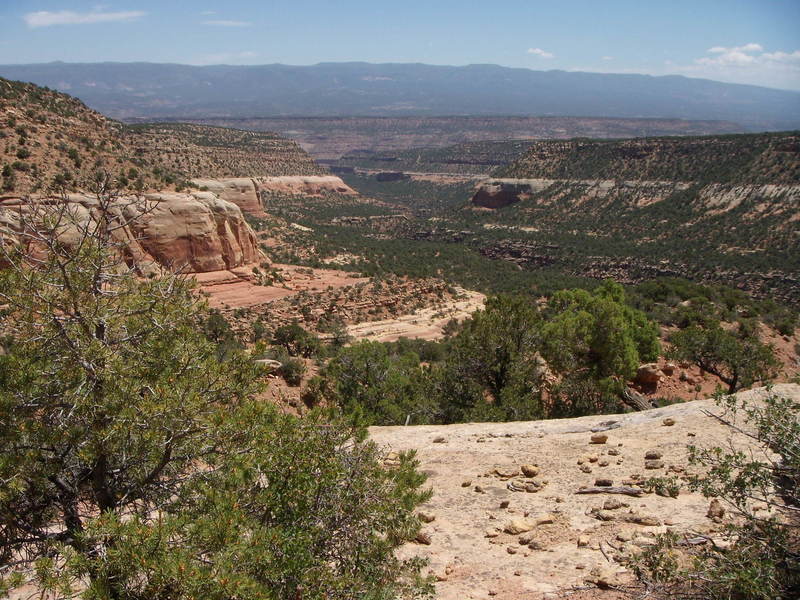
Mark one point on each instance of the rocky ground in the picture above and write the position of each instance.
(425, 323)
(239, 288)
(505, 520)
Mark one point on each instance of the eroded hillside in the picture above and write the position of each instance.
(207, 151)
(49, 139)
(720, 209)
(765, 158)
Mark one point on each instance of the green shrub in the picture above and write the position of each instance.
(761, 560)
(137, 465)
(293, 370)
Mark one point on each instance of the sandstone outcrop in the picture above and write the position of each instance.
(245, 191)
(572, 194)
(571, 528)
(311, 185)
(194, 233)
(499, 193)
(242, 191)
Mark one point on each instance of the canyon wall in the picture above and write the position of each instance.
(245, 191)
(192, 232)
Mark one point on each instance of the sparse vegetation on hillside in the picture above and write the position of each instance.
(469, 158)
(206, 151)
(733, 231)
(753, 159)
(52, 140)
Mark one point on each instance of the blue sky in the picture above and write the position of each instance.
(743, 41)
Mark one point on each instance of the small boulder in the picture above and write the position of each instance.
(654, 464)
(506, 472)
(269, 365)
(716, 511)
(603, 577)
(599, 438)
(523, 525)
(517, 526)
(648, 375)
(668, 422)
(423, 537)
(646, 520)
(613, 504)
(529, 470)
(653, 455)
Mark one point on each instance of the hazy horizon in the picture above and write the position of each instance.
(740, 41)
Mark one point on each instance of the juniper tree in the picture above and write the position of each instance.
(135, 464)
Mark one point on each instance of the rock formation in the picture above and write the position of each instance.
(309, 185)
(195, 232)
(245, 192)
(552, 530)
(242, 191)
(498, 193)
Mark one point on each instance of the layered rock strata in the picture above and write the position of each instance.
(193, 233)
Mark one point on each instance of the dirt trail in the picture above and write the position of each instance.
(470, 565)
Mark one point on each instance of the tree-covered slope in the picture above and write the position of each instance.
(748, 159)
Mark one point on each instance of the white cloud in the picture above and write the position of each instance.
(735, 55)
(748, 63)
(45, 18)
(541, 53)
(783, 57)
(751, 47)
(607, 57)
(206, 13)
(227, 23)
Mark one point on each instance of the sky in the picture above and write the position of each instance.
(740, 41)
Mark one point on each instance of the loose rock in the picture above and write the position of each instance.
(716, 512)
(423, 537)
(529, 470)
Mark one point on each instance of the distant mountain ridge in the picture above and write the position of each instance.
(149, 90)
